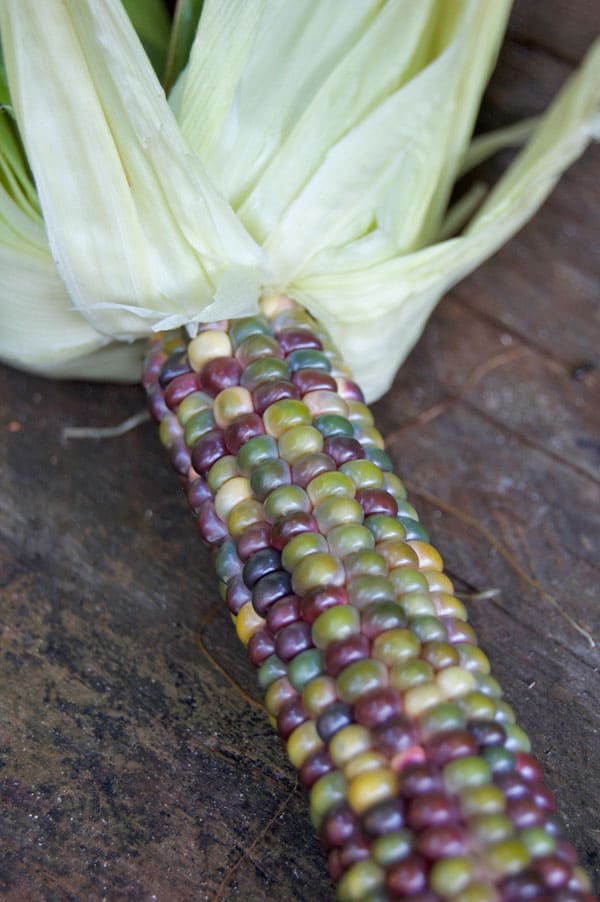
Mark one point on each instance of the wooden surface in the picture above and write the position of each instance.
(131, 765)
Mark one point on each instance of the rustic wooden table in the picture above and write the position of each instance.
(135, 761)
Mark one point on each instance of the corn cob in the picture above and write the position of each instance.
(421, 784)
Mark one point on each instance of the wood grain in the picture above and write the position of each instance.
(132, 766)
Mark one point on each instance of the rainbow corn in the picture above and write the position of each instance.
(421, 784)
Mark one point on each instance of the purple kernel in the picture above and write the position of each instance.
(349, 390)
(313, 380)
(420, 779)
(487, 732)
(293, 639)
(340, 654)
(241, 430)
(377, 707)
(220, 373)
(316, 765)
(407, 877)
(307, 467)
(377, 501)
(522, 887)
(208, 450)
(237, 595)
(431, 810)
(528, 768)
(283, 613)
(270, 589)
(459, 630)
(442, 841)
(175, 365)
(342, 448)
(180, 458)
(340, 826)
(524, 813)
(292, 339)
(268, 393)
(291, 715)
(156, 403)
(450, 745)
(554, 871)
(180, 388)
(386, 817)
(512, 785)
(253, 539)
(211, 528)
(544, 798)
(356, 850)
(259, 564)
(198, 492)
(260, 646)
(333, 719)
(291, 525)
(318, 600)
(395, 736)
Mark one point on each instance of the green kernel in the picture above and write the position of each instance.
(298, 441)
(364, 474)
(266, 369)
(244, 515)
(271, 669)
(222, 471)
(283, 415)
(417, 604)
(359, 678)
(379, 457)
(491, 828)
(395, 646)
(391, 848)
(472, 658)
(292, 318)
(245, 326)
(348, 539)
(329, 791)
(509, 856)
(414, 530)
(366, 562)
(226, 562)
(349, 743)
(428, 628)
(478, 706)
(287, 499)
(408, 579)
(197, 425)
(305, 667)
(405, 510)
(537, 841)
(255, 452)
(477, 892)
(489, 685)
(337, 511)
(504, 713)
(334, 624)
(318, 695)
(382, 616)
(360, 413)
(469, 771)
(301, 546)
(396, 488)
(366, 589)
(360, 882)
(450, 875)
(192, 404)
(330, 424)
(268, 476)
(328, 484)
(255, 347)
(308, 359)
(318, 569)
(517, 739)
(385, 527)
(169, 431)
(410, 674)
(445, 716)
(500, 759)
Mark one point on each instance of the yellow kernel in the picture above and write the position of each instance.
(318, 695)
(303, 742)
(231, 493)
(419, 698)
(372, 436)
(348, 742)
(206, 346)
(455, 681)
(429, 557)
(364, 762)
(448, 606)
(275, 303)
(322, 401)
(231, 403)
(278, 694)
(372, 787)
(438, 582)
(247, 622)
(243, 515)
